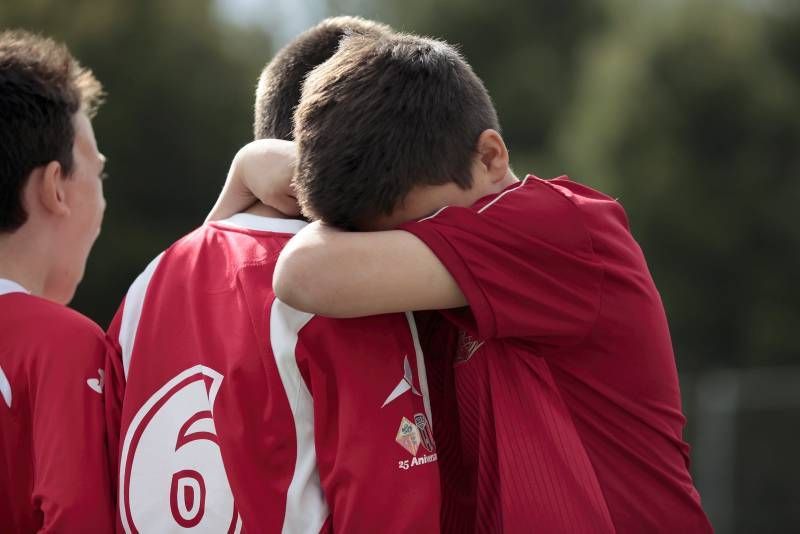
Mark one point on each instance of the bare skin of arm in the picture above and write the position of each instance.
(260, 170)
(351, 274)
(327, 271)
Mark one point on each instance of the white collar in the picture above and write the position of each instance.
(10, 286)
(266, 224)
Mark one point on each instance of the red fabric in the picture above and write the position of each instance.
(54, 461)
(568, 394)
(439, 341)
(210, 303)
(373, 484)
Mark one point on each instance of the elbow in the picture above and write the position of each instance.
(294, 283)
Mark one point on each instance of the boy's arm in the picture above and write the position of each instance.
(350, 274)
(378, 272)
(523, 261)
(261, 170)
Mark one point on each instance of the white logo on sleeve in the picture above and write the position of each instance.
(406, 384)
(97, 383)
(5, 388)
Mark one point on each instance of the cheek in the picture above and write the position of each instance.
(101, 206)
(98, 204)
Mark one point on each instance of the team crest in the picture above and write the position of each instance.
(408, 436)
(425, 432)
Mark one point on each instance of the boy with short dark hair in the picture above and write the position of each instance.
(57, 438)
(568, 395)
(281, 81)
(242, 413)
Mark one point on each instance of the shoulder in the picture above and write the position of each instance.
(596, 208)
(39, 327)
(49, 318)
(533, 211)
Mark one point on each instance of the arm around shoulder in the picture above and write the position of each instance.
(352, 274)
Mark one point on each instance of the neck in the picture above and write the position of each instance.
(509, 179)
(23, 259)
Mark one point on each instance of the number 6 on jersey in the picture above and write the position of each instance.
(171, 472)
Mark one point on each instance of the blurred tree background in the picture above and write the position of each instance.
(688, 111)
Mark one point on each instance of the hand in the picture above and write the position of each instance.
(260, 171)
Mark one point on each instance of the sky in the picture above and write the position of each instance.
(283, 19)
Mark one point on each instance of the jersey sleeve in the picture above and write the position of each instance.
(524, 261)
(72, 483)
(373, 429)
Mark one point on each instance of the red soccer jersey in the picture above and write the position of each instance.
(54, 461)
(568, 394)
(242, 414)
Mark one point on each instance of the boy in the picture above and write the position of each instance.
(243, 413)
(54, 458)
(568, 396)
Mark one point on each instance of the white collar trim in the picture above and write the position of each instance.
(266, 224)
(10, 286)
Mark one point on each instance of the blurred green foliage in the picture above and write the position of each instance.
(180, 88)
(688, 111)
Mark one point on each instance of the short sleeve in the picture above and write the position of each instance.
(525, 262)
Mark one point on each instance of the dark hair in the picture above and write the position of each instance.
(281, 81)
(41, 87)
(381, 117)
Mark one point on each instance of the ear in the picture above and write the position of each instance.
(492, 155)
(52, 194)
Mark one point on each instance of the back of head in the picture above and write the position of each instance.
(281, 81)
(41, 88)
(382, 117)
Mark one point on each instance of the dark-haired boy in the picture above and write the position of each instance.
(243, 413)
(568, 394)
(55, 462)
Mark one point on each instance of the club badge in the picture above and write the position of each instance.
(408, 436)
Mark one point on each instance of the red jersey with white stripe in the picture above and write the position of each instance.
(54, 462)
(568, 395)
(243, 414)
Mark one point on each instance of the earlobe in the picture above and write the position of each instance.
(52, 194)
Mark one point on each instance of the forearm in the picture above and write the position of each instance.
(260, 171)
(342, 274)
(234, 198)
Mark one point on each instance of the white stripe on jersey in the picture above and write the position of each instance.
(306, 509)
(132, 312)
(5, 388)
(504, 193)
(423, 375)
(10, 286)
(265, 224)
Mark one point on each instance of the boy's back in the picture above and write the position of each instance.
(566, 380)
(219, 427)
